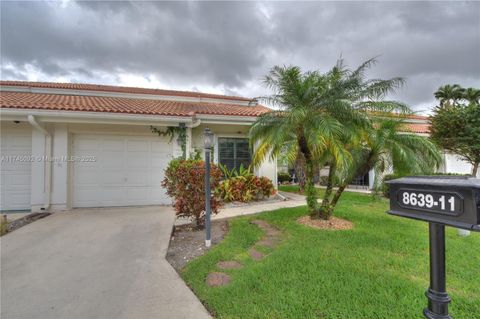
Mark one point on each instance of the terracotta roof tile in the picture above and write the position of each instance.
(119, 89)
(417, 127)
(84, 103)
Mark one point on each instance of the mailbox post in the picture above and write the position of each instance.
(439, 200)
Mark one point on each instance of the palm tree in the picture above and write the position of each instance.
(449, 94)
(318, 115)
(385, 146)
(472, 95)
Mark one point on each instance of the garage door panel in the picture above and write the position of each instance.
(15, 172)
(16, 167)
(86, 178)
(161, 147)
(135, 161)
(138, 195)
(87, 144)
(17, 141)
(138, 179)
(112, 178)
(113, 144)
(16, 181)
(157, 177)
(127, 172)
(86, 197)
(138, 145)
(111, 159)
(114, 194)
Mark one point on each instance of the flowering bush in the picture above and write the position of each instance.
(185, 183)
(245, 188)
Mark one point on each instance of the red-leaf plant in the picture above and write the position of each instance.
(185, 183)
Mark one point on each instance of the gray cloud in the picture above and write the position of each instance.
(229, 46)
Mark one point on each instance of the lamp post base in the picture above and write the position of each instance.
(430, 315)
(208, 243)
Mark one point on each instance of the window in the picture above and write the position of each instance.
(233, 152)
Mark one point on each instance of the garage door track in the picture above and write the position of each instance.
(95, 263)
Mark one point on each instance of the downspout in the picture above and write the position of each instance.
(48, 161)
(195, 123)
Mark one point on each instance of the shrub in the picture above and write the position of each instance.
(185, 183)
(385, 186)
(283, 177)
(245, 188)
(229, 173)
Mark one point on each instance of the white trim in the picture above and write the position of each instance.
(48, 164)
(92, 117)
(37, 90)
(122, 118)
(226, 119)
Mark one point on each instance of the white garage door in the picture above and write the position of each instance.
(127, 170)
(16, 150)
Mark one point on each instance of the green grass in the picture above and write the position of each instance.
(377, 270)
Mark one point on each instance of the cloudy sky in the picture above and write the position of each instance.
(227, 47)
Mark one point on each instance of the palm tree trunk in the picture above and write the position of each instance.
(337, 195)
(300, 171)
(364, 169)
(310, 191)
(330, 182)
(325, 212)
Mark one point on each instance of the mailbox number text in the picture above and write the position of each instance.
(422, 200)
(448, 203)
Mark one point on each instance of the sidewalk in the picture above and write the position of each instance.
(293, 200)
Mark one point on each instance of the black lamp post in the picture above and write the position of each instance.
(207, 142)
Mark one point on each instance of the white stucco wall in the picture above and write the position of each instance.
(454, 164)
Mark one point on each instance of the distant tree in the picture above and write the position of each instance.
(456, 126)
(385, 146)
(449, 94)
(472, 95)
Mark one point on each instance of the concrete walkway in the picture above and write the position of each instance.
(293, 200)
(95, 263)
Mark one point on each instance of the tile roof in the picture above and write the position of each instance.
(417, 127)
(119, 89)
(87, 103)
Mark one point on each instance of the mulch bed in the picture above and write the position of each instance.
(334, 223)
(16, 224)
(188, 242)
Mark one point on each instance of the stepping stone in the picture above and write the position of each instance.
(255, 254)
(231, 264)
(216, 279)
(260, 223)
(269, 242)
(272, 233)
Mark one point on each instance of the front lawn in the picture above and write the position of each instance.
(377, 270)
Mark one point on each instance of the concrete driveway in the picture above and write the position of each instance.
(95, 263)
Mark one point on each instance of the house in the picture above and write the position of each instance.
(82, 145)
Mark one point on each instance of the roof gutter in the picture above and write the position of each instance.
(47, 163)
(93, 117)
